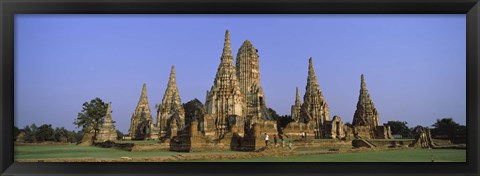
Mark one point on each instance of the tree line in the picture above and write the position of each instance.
(93, 113)
(46, 133)
(445, 128)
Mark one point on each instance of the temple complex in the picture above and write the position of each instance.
(235, 115)
(107, 130)
(366, 123)
(171, 110)
(141, 121)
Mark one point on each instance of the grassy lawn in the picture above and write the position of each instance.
(73, 151)
(410, 155)
(140, 142)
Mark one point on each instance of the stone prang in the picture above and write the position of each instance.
(366, 122)
(171, 108)
(248, 74)
(137, 123)
(107, 131)
(366, 114)
(225, 100)
(314, 107)
(296, 107)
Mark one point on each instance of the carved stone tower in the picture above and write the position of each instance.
(136, 121)
(296, 107)
(366, 114)
(248, 74)
(171, 103)
(107, 130)
(314, 106)
(225, 101)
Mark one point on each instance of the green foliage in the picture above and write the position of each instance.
(193, 110)
(16, 131)
(399, 128)
(72, 137)
(79, 136)
(119, 135)
(92, 115)
(45, 133)
(349, 124)
(273, 114)
(29, 133)
(447, 127)
(284, 120)
(61, 135)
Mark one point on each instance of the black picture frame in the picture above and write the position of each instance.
(11, 7)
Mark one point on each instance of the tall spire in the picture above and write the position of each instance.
(366, 113)
(364, 96)
(312, 77)
(314, 106)
(227, 50)
(144, 91)
(297, 98)
(172, 79)
(248, 74)
(171, 103)
(225, 97)
(136, 117)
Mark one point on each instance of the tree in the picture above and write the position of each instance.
(349, 124)
(72, 137)
(284, 120)
(79, 136)
(30, 133)
(273, 114)
(192, 109)
(399, 128)
(45, 133)
(446, 127)
(61, 134)
(16, 131)
(119, 135)
(91, 117)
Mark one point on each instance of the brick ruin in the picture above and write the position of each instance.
(312, 117)
(107, 130)
(366, 123)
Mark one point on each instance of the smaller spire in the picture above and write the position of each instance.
(227, 50)
(362, 78)
(172, 74)
(144, 90)
(363, 85)
(311, 70)
(297, 97)
(109, 110)
(312, 77)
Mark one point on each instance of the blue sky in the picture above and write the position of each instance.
(414, 65)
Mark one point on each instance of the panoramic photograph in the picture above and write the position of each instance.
(240, 88)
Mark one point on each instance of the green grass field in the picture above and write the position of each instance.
(413, 155)
(72, 151)
(408, 155)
